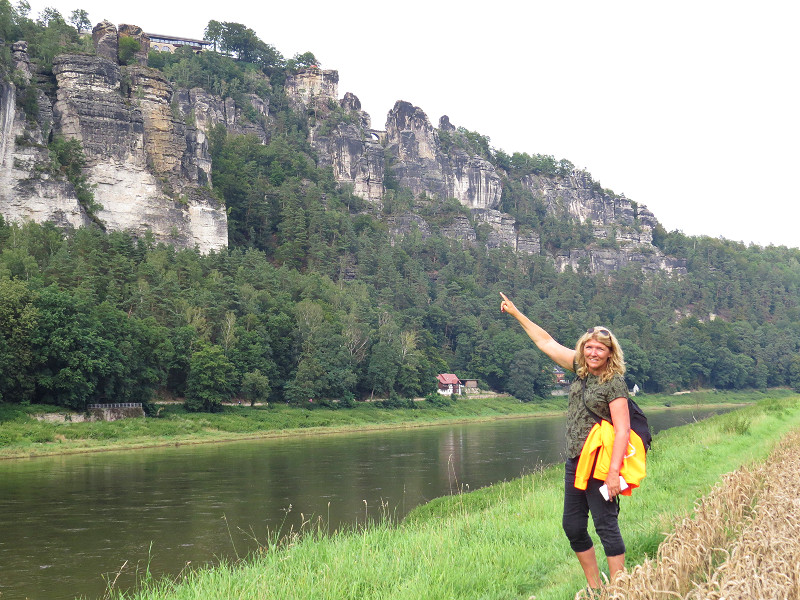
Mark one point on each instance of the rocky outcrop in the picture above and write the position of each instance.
(148, 168)
(405, 224)
(616, 222)
(460, 229)
(408, 151)
(504, 232)
(202, 111)
(577, 196)
(90, 108)
(340, 132)
(104, 36)
(607, 260)
(27, 190)
(311, 85)
(356, 159)
(420, 164)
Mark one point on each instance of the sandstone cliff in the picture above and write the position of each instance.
(27, 190)
(147, 157)
(421, 164)
(433, 162)
(150, 170)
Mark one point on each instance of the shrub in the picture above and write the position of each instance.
(438, 400)
(128, 47)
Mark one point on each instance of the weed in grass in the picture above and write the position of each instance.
(735, 424)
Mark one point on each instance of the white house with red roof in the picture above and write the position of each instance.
(449, 384)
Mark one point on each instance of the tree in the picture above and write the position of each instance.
(18, 321)
(255, 387)
(383, 368)
(529, 376)
(244, 44)
(49, 15)
(301, 61)
(79, 19)
(213, 32)
(211, 379)
(794, 373)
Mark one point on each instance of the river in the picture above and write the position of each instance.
(71, 524)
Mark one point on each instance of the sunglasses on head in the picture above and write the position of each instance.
(599, 330)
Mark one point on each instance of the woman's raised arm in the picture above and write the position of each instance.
(561, 355)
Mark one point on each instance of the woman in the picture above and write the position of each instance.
(599, 364)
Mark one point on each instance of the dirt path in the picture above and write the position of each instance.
(743, 541)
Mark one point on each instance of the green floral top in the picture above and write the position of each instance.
(598, 397)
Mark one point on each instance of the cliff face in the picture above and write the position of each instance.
(148, 168)
(27, 191)
(340, 132)
(426, 161)
(147, 157)
(422, 165)
(574, 195)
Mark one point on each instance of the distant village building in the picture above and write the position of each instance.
(471, 386)
(449, 384)
(560, 376)
(170, 43)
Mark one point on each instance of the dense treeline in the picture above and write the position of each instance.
(95, 317)
(314, 299)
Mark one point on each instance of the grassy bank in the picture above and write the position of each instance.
(500, 542)
(21, 435)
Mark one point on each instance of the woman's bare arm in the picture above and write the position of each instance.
(561, 355)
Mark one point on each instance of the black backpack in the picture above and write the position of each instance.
(638, 419)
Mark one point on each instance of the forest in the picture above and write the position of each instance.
(314, 298)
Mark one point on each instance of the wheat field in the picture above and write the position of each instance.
(742, 542)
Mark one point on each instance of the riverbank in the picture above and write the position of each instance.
(23, 436)
(500, 542)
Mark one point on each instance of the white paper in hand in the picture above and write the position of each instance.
(622, 486)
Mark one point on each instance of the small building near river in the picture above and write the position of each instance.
(448, 384)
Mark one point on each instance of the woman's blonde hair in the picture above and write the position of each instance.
(616, 360)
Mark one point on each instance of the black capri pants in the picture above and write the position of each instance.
(578, 504)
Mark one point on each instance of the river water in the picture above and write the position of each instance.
(71, 524)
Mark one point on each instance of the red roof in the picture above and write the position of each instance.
(448, 378)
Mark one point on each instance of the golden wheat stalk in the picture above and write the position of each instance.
(743, 541)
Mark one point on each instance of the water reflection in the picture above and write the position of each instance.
(69, 519)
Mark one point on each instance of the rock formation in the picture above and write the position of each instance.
(420, 164)
(106, 44)
(147, 157)
(150, 170)
(340, 132)
(615, 219)
(576, 196)
(313, 84)
(27, 190)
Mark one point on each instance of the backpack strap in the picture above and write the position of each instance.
(583, 397)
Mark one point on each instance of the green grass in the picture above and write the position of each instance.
(497, 543)
(705, 397)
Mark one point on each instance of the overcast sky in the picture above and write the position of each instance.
(687, 107)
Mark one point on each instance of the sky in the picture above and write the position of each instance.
(690, 108)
